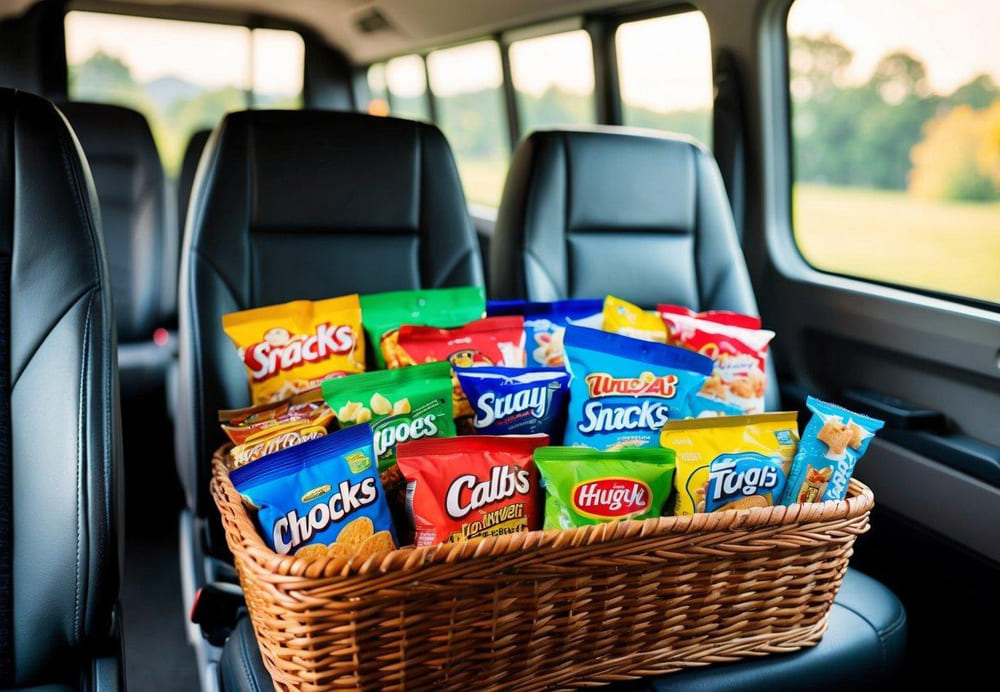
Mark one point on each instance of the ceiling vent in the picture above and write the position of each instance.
(372, 21)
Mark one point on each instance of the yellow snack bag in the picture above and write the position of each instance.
(622, 317)
(732, 462)
(292, 347)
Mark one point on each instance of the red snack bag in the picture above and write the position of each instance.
(735, 343)
(489, 341)
(458, 488)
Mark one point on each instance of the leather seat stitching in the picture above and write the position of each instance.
(34, 351)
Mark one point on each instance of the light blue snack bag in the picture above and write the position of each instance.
(623, 390)
(831, 445)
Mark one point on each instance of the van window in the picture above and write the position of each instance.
(378, 90)
(896, 141)
(665, 74)
(466, 84)
(407, 85)
(183, 76)
(553, 78)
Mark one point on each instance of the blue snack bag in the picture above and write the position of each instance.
(515, 401)
(831, 445)
(623, 390)
(545, 324)
(322, 497)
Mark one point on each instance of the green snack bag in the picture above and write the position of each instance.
(404, 404)
(382, 314)
(588, 486)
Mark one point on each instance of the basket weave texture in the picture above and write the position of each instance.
(547, 609)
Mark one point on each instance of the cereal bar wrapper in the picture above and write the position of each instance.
(462, 488)
(320, 498)
(623, 390)
(832, 443)
(736, 462)
(586, 486)
(291, 348)
(485, 342)
(516, 401)
(545, 325)
(384, 313)
(735, 343)
(622, 317)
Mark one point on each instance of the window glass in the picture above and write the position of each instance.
(183, 76)
(554, 80)
(466, 83)
(896, 139)
(665, 74)
(407, 83)
(378, 90)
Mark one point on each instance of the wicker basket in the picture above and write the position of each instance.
(548, 609)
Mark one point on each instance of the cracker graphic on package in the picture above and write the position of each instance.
(381, 542)
(857, 436)
(311, 552)
(747, 503)
(356, 532)
(835, 435)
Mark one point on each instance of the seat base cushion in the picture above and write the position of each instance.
(863, 646)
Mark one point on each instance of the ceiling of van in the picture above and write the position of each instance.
(410, 24)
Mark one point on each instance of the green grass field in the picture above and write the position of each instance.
(950, 247)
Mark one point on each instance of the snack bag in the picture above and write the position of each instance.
(292, 347)
(731, 463)
(545, 325)
(522, 401)
(735, 343)
(467, 487)
(276, 437)
(622, 317)
(320, 498)
(384, 313)
(623, 390)
(832, 443)
(241, 423)
(489, 341)
(400, 405)
(585, 486)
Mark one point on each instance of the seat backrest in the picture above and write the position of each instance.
(305, 204)
(185, 179)
(637, 214)
(139, 230)
(60, 548)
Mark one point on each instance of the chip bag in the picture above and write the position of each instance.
(545, 325)
(586, 486)
(461, 488)
(320, 498)
(239, 424)
(523, 401)
(400, 405)
(832, 443)
(623, 390)
(622, 317)
(489, 341)
(735, 343)
(384, 313)
(734, 462)
(292, 347)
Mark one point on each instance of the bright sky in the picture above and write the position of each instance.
(955, 39)
(209, 55)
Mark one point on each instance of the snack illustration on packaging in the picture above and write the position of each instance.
(291, 348)
(489, 341)
(832, 443)
(586, 486)
(735, 462)
(461, 488)
(622, 317)
(320, 498)
(623, 390)
(545, 325)
(261, 430)
(737, 346)
(384, 313)
(521, 401)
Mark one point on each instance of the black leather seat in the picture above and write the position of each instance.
(303, 204)
(185, 180)
(60, 541)
(140, 235)
(860, 650)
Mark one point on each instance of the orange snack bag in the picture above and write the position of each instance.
(292, 347)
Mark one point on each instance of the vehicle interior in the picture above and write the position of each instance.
(833, 167)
